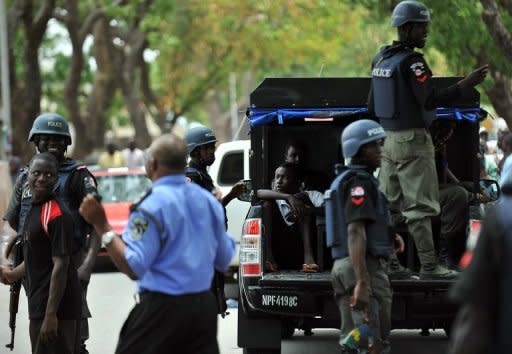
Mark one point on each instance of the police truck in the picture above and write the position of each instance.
(272, 305)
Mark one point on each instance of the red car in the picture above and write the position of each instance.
(119, 188)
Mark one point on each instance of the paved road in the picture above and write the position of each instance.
(111, 298)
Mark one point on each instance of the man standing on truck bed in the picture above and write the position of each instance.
(201, 149)
(403, 97)
(361, 241)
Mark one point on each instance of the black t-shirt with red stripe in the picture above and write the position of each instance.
(47, 233)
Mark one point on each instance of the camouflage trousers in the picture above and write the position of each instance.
(408, 178)
(379, 308)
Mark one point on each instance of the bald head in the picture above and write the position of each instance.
(170, 151)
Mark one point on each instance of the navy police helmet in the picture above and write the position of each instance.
(50, 124)
(409, 11)
(198, 136)
(359, 133)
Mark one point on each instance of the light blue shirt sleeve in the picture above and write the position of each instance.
(142, 238)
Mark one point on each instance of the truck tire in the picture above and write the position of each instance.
(261, 351)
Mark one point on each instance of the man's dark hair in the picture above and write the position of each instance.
(293, 170)
(47, 157)
(297, 144)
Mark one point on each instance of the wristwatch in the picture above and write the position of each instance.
(107, 237)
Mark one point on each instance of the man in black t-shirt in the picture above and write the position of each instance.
(50, 133)
(53, 289)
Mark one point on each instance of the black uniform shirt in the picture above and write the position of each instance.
(200, 176)
(47, 233)
(419, 75)
(360, 196)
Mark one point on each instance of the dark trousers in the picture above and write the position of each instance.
(68, 338)
(162, 323)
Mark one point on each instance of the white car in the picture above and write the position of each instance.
(232, 165)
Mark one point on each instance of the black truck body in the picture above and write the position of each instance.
(272, 305)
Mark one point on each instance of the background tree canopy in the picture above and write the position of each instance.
(105, 63)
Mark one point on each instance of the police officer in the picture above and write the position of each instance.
(174, 240)
(201, 148)
(360, 240)
(50, 133)
(484, 289)
(404, 99)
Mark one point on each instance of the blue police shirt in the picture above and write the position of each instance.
(175, 238)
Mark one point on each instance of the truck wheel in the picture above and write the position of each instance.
(287, 329)
(261, 351)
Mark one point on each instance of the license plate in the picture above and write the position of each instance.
(273, 300)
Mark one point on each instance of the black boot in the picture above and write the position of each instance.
(443, 252)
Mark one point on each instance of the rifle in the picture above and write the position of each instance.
(220, 296)
(14, 298)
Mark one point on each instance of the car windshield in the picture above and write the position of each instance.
(122, 188)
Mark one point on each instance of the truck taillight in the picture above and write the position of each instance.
(250, 248)
(474, 233)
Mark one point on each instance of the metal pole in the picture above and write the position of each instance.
(233, 107)
(4, 75)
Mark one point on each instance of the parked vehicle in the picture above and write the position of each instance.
(119, 188)
(316, 110)
(232, 165)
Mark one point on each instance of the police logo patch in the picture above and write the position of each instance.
(138, 227)
(187, 179)
(419, 71)
(89, 182)
(358, 195)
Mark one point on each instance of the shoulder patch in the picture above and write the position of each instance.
(419, 71)
(89, 182)
(138, 227)
(358, 195)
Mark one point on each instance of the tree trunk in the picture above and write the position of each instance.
(34, 29)
(501, 97)
(103, 88)
(129, 85)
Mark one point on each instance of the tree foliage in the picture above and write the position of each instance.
(130, 60)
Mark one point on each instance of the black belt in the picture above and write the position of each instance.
(145, 294)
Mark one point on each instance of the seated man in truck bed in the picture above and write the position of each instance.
(291, 215)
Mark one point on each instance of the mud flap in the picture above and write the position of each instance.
(258, 332)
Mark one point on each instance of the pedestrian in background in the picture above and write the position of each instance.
(53, 289)
(50, 133)
(111, 157)
(133, 156)
(174, 240)
(484, 289)
(362, 243)
(404, 99)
